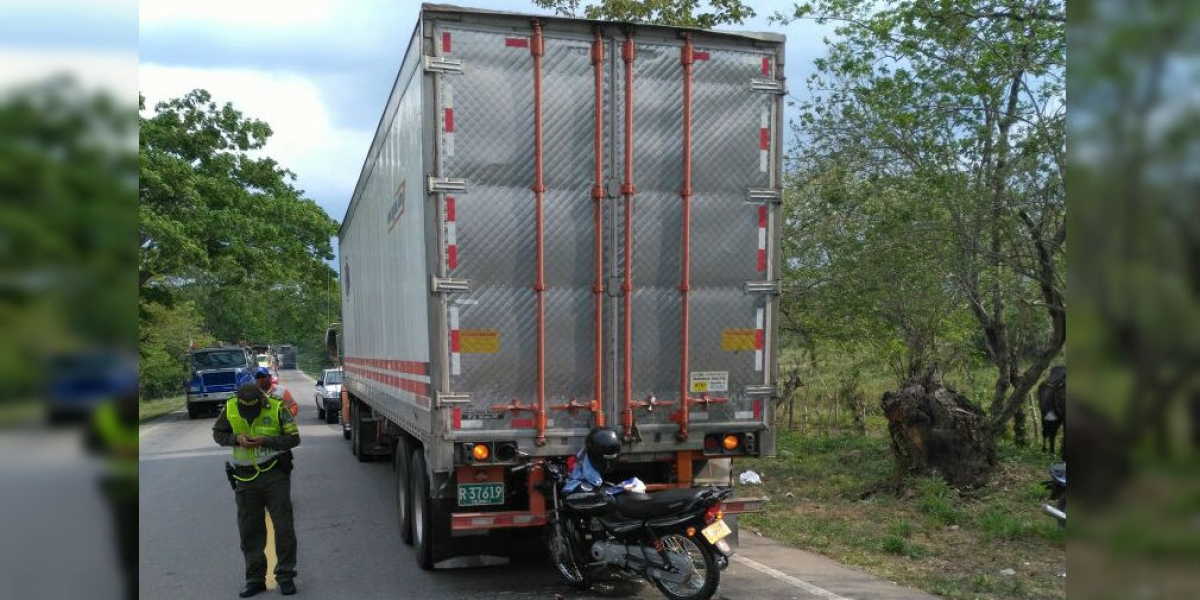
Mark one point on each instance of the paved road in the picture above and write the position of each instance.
(348, 543)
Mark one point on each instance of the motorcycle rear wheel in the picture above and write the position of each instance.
(705, 576)
(564, 555)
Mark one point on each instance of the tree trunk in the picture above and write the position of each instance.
(1020, 427)
(934, 429)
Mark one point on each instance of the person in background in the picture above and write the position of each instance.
(113, 433)
(262, 377)
(262, 434)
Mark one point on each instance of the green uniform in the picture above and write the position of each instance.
(117, 438)
(263, 483)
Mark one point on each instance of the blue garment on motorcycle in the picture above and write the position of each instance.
(583, 473)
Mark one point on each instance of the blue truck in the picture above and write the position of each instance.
(215, 374)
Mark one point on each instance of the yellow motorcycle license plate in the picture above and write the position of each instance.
(717, 531)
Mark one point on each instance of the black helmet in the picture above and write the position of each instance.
(603, 448)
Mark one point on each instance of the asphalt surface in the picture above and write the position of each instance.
(349, 546)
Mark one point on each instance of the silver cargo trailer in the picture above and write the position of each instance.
(560, 224)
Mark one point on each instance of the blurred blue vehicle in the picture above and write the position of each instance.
(77, 382)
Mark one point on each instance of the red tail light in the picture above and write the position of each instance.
(570, 464)
(713, 513)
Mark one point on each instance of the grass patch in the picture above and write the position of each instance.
(838, 495)
(20, 412)
(152, 409)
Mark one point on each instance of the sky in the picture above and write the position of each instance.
(320, 71)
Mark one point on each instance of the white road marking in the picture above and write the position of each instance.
(784, 577)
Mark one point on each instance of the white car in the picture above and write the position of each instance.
(329, 395)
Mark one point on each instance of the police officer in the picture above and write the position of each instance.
(262, 433)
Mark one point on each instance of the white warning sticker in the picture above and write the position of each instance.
(709, 381)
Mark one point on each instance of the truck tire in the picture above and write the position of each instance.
(403, 459)
(422, 509)
(358, 444)
(320, 412)
(192, 412)
(354, 427)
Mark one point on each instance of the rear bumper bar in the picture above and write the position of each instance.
(495, 520)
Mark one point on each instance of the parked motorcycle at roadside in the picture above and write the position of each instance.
(673, 538)
(1057, 485)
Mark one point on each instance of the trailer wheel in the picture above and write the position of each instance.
(422, 509)
(354, 427)
(403, 458)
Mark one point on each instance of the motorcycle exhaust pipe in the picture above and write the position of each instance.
(1054, 512)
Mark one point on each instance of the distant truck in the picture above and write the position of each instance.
(214, 375)
(287, 356)
(536, 247)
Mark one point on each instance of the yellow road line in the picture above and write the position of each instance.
(271, 559)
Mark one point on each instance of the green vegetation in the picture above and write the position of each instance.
(838, 495)
(230, 250)
(152, 409)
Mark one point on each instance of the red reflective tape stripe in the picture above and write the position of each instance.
(757, 410)
(522, 423)
(455, 341)
(452, 256)
(762, 260)
(516, 42)
(451, 209)
(449, 120)
(758, 339)
(458, 418)
(417, 387)
(766, 66)
(445, 41)
(762, 216)
(399, 366)
(700, 56)
(764, 138)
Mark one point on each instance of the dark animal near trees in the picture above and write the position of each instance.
(1052, 406)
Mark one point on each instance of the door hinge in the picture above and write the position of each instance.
(450, 398)
(759, 391)
(771, 288)
(770, 86)
(439, 64)
(768, 195)
(447, 285)
(443, 185)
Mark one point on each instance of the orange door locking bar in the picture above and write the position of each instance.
(536, 49)
(628, 54)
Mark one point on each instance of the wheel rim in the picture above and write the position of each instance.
(562, 555)
(677, 544)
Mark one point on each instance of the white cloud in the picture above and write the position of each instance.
(324, 157)
(112, 71)
(269, 14)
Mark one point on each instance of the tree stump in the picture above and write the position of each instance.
(934, 429)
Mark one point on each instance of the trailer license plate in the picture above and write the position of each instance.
(716, 532)
(480, 494)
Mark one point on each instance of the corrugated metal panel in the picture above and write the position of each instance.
(479, 129)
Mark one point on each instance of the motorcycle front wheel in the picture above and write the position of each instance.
(564, 555)
(704, 578)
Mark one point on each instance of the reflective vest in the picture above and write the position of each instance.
(267, 424)
(120, 440)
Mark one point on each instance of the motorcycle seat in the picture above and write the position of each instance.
(646, 506)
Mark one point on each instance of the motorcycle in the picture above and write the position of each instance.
(1057, 486)
(673, 538)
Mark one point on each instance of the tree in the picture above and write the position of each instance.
(209, 207)
(66, 173)
(953, 111)
(680, 13)
(224, 230)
